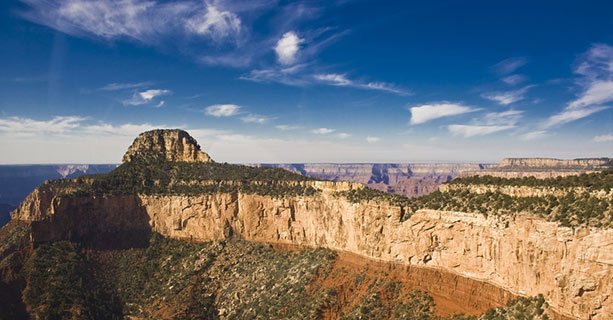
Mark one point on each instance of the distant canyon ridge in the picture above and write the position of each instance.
(408, 179)
(417, 179)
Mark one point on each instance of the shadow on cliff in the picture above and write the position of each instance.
(98, 223)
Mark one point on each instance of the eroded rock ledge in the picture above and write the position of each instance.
(524, 255)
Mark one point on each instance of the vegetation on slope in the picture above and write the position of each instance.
(173, 279)
(597, 181)
(569, 209)
(182, 178)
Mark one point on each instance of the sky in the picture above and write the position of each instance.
(313, 81)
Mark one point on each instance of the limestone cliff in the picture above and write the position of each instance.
(170, 144)
(541, 168)
(588, 163)
(524, 255)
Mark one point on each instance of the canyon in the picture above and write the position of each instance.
(521, 254)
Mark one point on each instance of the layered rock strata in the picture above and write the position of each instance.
(169, 144)
(523, 254)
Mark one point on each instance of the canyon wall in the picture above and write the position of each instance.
(408, 179)
(541, 168)
(523, 254)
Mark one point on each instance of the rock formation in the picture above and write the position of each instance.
(523, 254)
(541, 168)
(169, 144)
(407, 179)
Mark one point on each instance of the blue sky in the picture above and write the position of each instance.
(274, 81)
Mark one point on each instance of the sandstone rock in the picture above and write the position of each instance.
(169, 144)
(524, 254)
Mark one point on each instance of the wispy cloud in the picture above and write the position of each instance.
(27, 126)
(595, 69)
(254, 118)
(513, 79)
(214, 23)
(344, 135)
(509, 65)
(322, 131)
(141, 20)
(222, 110)
(427, 112)
(125, 86)
(491, 122)
(286, 127)
(604, 138)
(475, 130)
(507, 97)
(342, 80)
(144, 97)
(569, 115)
(371, 139)
(291, 76)
(533, 135)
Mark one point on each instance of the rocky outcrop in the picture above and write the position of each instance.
(170, 144)
(523, 254)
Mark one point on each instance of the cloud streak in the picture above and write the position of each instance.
(428, 112)
(595, 69)
(507, 97)
(147, 96)
(341, 80)
(222, 110)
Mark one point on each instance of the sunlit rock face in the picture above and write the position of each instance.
(169, 144)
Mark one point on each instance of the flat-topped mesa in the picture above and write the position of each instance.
(170, 144)
(587, 163)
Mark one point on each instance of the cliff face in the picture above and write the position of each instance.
(171, 144)
(541, 168)
(554, 163)
(524, 255)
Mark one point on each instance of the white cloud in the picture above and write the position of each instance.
(475, 130)
(509, 65)
(287, 75)
(334, 79)
(287, 48)
(286, 127)
(533, 135)
(509, 117)
(424, 113)
(222, 110)
(322, 131)
(344, 135)
(569, 115)
(604, 138)
(254, 118)
(598, 92)
(595, 68)
(144, 97)
(141, 20)
(341, 80)
(513, 79)
(125, 86)
(507, 97)
(30, 127)
(371, 139)
(215, 23)
(491, 122)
